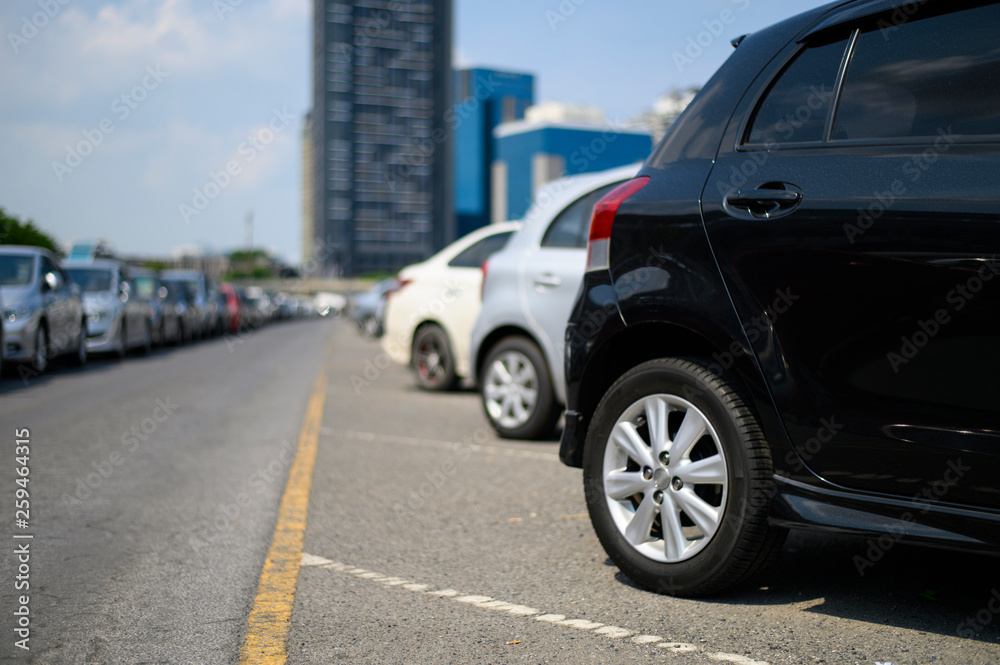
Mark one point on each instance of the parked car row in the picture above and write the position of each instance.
(77, 307)
(788, 317)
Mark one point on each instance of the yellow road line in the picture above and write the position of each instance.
(270, 618)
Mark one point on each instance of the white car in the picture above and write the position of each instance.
(529, 290)
(429, 315)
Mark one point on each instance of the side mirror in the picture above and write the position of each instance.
(162, 293)
(124, 290)
(53, 281)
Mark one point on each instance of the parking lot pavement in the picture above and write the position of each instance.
(430, 540)
(427, 538)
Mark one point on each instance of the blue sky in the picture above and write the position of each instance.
(161, 123)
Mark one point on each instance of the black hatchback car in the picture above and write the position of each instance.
(791, 316)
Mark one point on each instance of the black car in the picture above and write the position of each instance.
(791, 316)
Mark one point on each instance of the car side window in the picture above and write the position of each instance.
(474, 255)
(929, 76)
(571, 228)
(45, 266)
(796, 106)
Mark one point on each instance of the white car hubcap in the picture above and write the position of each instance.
(665, 478)
(511, 389)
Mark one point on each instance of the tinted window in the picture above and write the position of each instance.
(15, 270)
(91, 280)
(474, 255)
(936, 74)
(145, 287)
(572, 227)
(796, 107)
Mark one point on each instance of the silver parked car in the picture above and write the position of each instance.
(528, 291)
(42, 310)
(203, 298)
(117, 320)
(167, 326)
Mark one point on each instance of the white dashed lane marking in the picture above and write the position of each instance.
(490, 603)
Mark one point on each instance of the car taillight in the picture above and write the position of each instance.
(400, 283)
(598, 248)
(482, 285)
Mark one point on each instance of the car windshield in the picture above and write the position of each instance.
(15, 270)
(145, 287)
(91, 280)
(177, 289)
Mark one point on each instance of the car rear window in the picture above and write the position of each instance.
(474, 255)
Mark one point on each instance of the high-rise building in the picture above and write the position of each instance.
(484, 98)
(556, 140)
(382, 160)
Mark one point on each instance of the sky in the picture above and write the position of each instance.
(159, 124)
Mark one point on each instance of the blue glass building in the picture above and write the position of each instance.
(484, 98)
(530, 154)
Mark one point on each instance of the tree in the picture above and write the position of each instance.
(15, 232)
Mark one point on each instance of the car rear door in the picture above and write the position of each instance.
(854, 214)
(550, 277)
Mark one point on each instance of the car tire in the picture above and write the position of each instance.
(79, 358)
(717, 535)
(370, 327)
(147, 344)
(433, 359)
(121, 342)
(40, 356)
(516, 390)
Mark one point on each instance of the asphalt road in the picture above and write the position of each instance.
(154, 494)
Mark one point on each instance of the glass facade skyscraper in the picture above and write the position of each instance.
(382, 182)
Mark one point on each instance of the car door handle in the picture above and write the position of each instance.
(765, 202)
(547, 280)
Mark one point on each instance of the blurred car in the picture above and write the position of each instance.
(330, 304)
(166, 320)
(177, 298)
(778, 328)
(231, 307)
(117, 320)
(528, 292)
(255, 307)
(368, 308)
(42, 308)
(429, 315)
(202, 295)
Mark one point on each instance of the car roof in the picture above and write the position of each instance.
(103, 264)
(26, 250)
